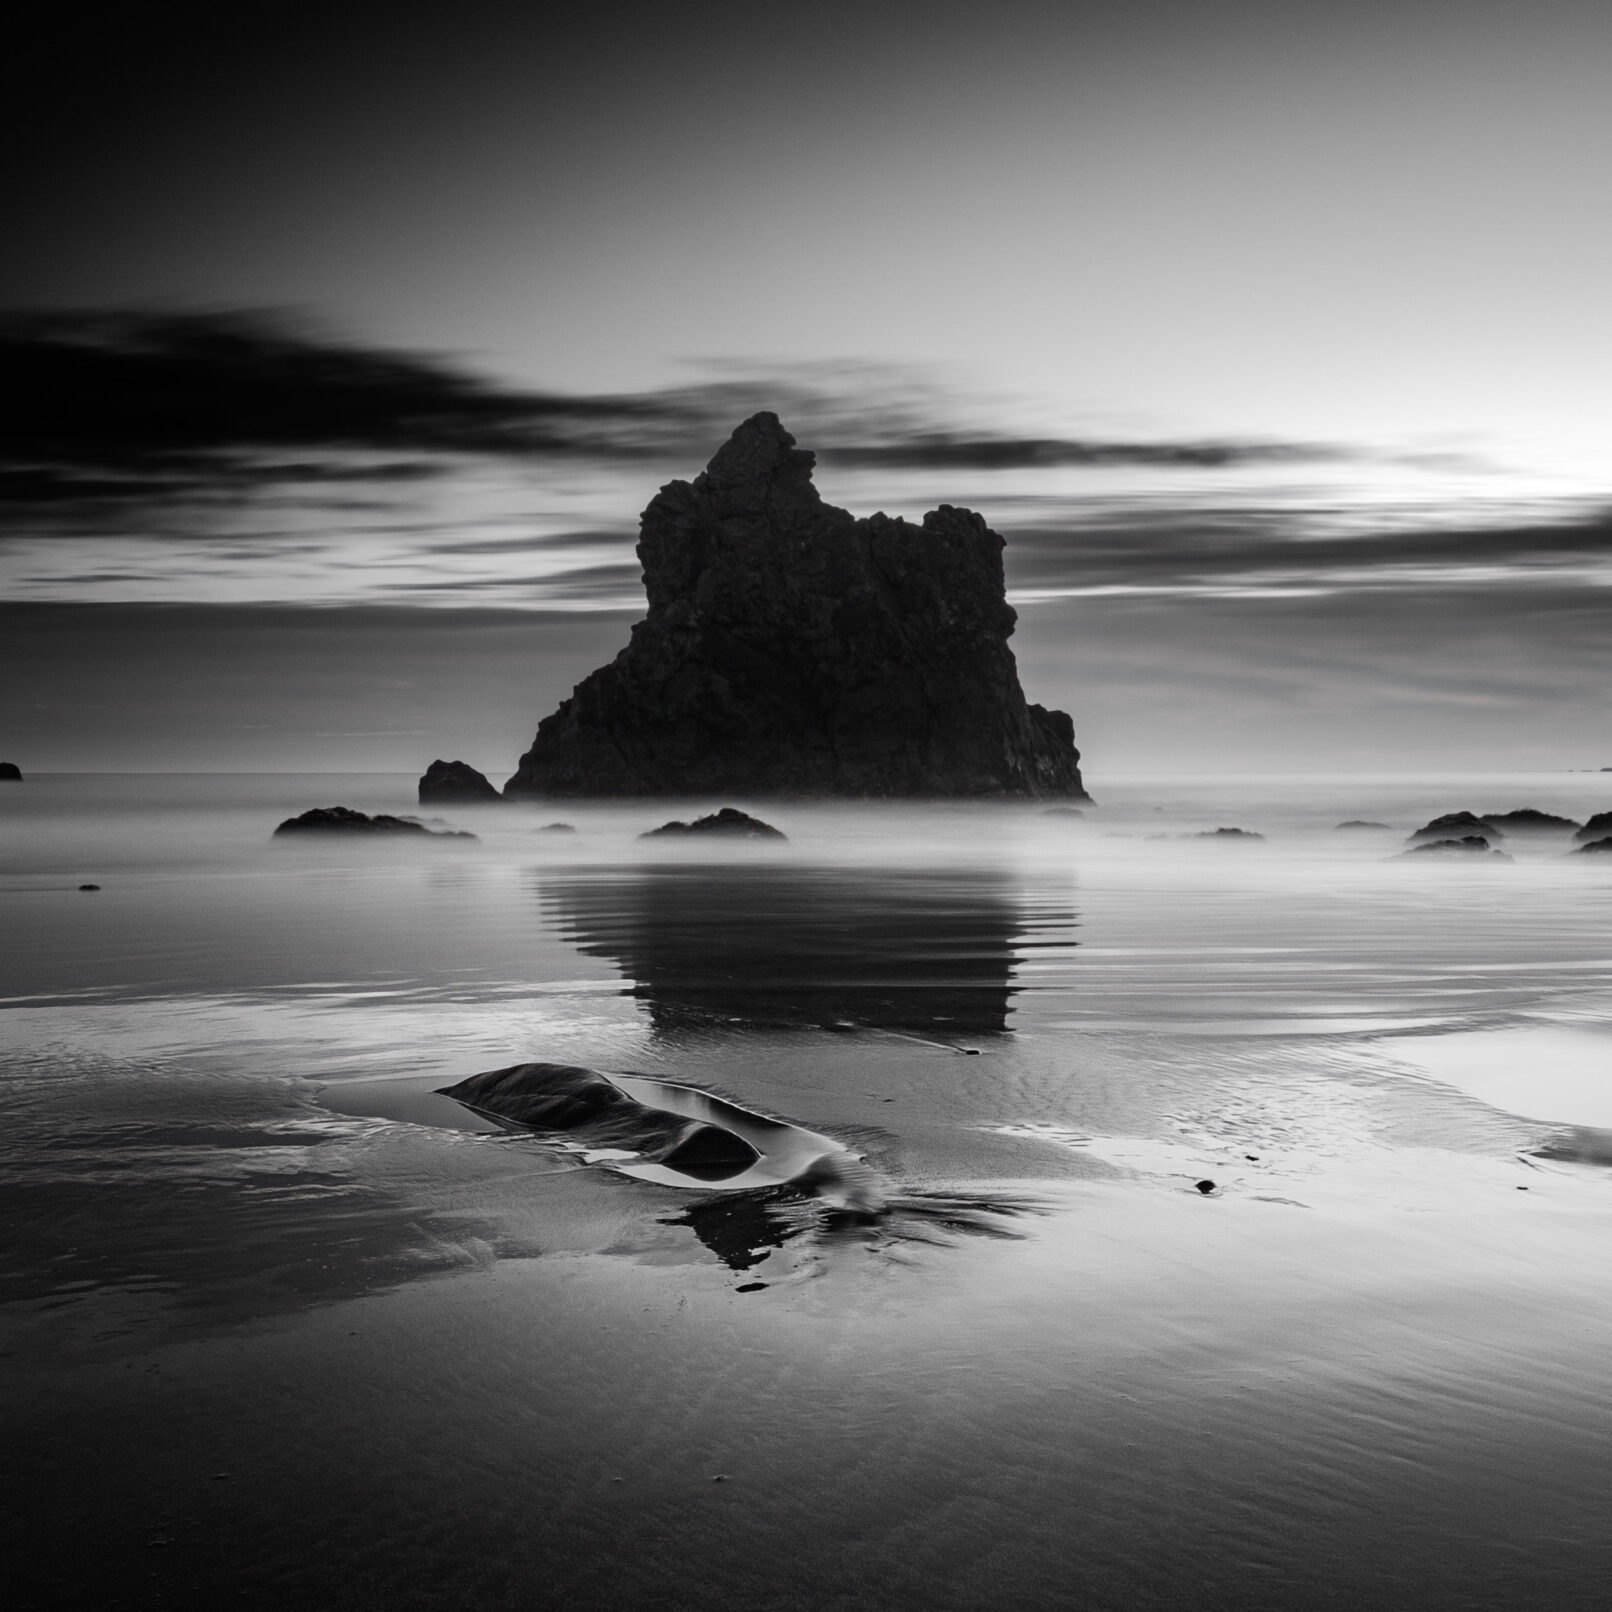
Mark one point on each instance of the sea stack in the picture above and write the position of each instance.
(791, 649)
(10, 772)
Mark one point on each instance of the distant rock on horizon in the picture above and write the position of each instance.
(455, 783)
(791, 649)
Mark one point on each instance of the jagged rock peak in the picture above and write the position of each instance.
(759, 465)
(791, 649)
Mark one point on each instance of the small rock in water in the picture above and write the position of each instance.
(1529, 821)
(344, 820)
(557, 828)
(1228, 834)
(750, 1287)
(1454, 826)
(1468, 845)
(1360, 822)
(1205, 1187)
(89, 887)
(729, 821)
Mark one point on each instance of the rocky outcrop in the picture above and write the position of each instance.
(1455, 826)
(728, 823)
(344, 820)
(10, 773)
(455, 783)
(1469, 845)
(791, 649)
(1597, 828)
(1528, 820)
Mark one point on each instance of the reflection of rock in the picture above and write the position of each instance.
(729, 823)
(590, 1108)
(10, 772)
(741, 1228)
(897, 949)
(344, 820)
(790, 649)
(455, 783)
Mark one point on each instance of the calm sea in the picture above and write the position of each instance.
(284, 1326)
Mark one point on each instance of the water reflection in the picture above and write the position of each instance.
(909, 949)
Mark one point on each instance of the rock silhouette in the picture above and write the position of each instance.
(790, 649)
(1597, 828)
(10, 772)
(729, 822)
(344, 820)
(455, 783)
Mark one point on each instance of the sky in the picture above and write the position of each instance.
(348, 342)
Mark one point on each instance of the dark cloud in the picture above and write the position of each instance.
(114, 405)
(1244, 546)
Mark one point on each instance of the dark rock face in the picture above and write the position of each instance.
(344, 820)
(790, 649)
(1529, 821)
(729, 822)
(589, 1107)
(1591, 846)
(1597, 828)
(455, 783)
(10, 773)
(1455, 826)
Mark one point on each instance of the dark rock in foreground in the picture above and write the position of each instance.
(1455, 826)
(455, 783)
(790, 649)
(1590, 847)
(728, 822)
(1598, 827)
(587, 1106)
(344, 820)
(1529, 821)
(10, 773)
(1359, 822)
(1469, 845)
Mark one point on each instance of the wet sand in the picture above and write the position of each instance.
(283, 1326)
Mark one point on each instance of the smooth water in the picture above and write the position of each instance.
(440, 1362)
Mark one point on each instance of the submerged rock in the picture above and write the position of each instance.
(1469, 845)
(344, 820)
(729, 822)
(556, 828)
(791, 649)
(1455, 826)
(10, 773)
(1359, 822)
(455, 783)
(1598, 827)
